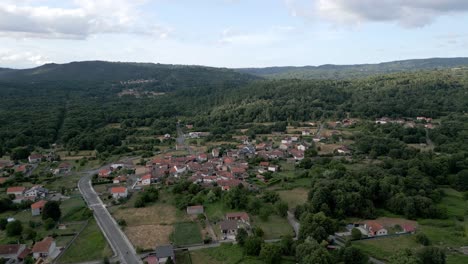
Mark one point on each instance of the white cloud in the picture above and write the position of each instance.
(408, 13)
(10, 57)
(270, 36)
(82, 19)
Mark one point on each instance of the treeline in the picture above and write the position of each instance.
(87, 115)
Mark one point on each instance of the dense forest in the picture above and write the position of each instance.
(77, 113)
(338, 72)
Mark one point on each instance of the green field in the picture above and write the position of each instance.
(216, 211)
(90, 245)
(226, 254)
(275, 227)
(187, 234)
(383, 248)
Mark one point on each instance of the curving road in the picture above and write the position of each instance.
(121, 246)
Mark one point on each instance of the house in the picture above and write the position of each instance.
(119, 192)
(306, 132)
(44, 248)
(163, 253)
(343, 150)
(238, 216)
(273, 168)
(408, 228)
(228, 229)
(195, 210)
(215, 152)
(119, 179)
(13, 252)
(35, 158)
(35, 192)
(146, 179)
(104, 173)
(297, 154)
(63, 167)
(202, 157)
(167, 136)
(374, 228)
(37, 207)
(17, 190)
(301, 147)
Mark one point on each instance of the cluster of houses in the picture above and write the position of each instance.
(41, 251)
(21, 193)
(409, 123)
(377, 228)
(229, 225)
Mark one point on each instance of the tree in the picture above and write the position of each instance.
(253, 245)
(282, 209)
(241, 236)
(169, 260)
(317, 226)
(106, 260)
(3, 223)
(310, 252)
(404, 257)
(49, 223)
(352, 255)
(422, 239)
(431, 255)
(356, 234)
(51, 210)
(258, 231)
(286, 244)
(270, 253)
(14, 228)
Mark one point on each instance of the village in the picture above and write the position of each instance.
(257, 165)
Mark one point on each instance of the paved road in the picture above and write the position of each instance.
(120, 244)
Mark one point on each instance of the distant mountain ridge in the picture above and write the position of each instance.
(330, 71)
(104, 71)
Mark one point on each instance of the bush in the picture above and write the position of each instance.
(49, 223)
(422, 239)
(14, 228)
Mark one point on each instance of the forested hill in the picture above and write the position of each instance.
(159, 76)
(330, 71)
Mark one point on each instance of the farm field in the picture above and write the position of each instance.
(147, 227)
(187, 233)
(90, 245)
(294, 197)
(275, 227)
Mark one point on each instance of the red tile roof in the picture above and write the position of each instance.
(118, 190)
(9, 249)
(146, 177)
(16, 189)
(239, 215)
(43, 246)
(39, 204)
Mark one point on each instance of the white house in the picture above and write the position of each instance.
(35, 158)
(146, 179)
(119, 192)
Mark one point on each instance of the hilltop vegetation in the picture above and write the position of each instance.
(338, 72)
(77, 114)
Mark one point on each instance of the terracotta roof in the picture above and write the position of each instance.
(3, 180)
(9, 249)
(16, 189)
(240, 215)
(35, 156)
(195, 207)
(39, 204)
(146, 177)
(118, 190)
(228, 225)
(373, 226)
(43, 246)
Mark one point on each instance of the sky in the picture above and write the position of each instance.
(231, 33)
